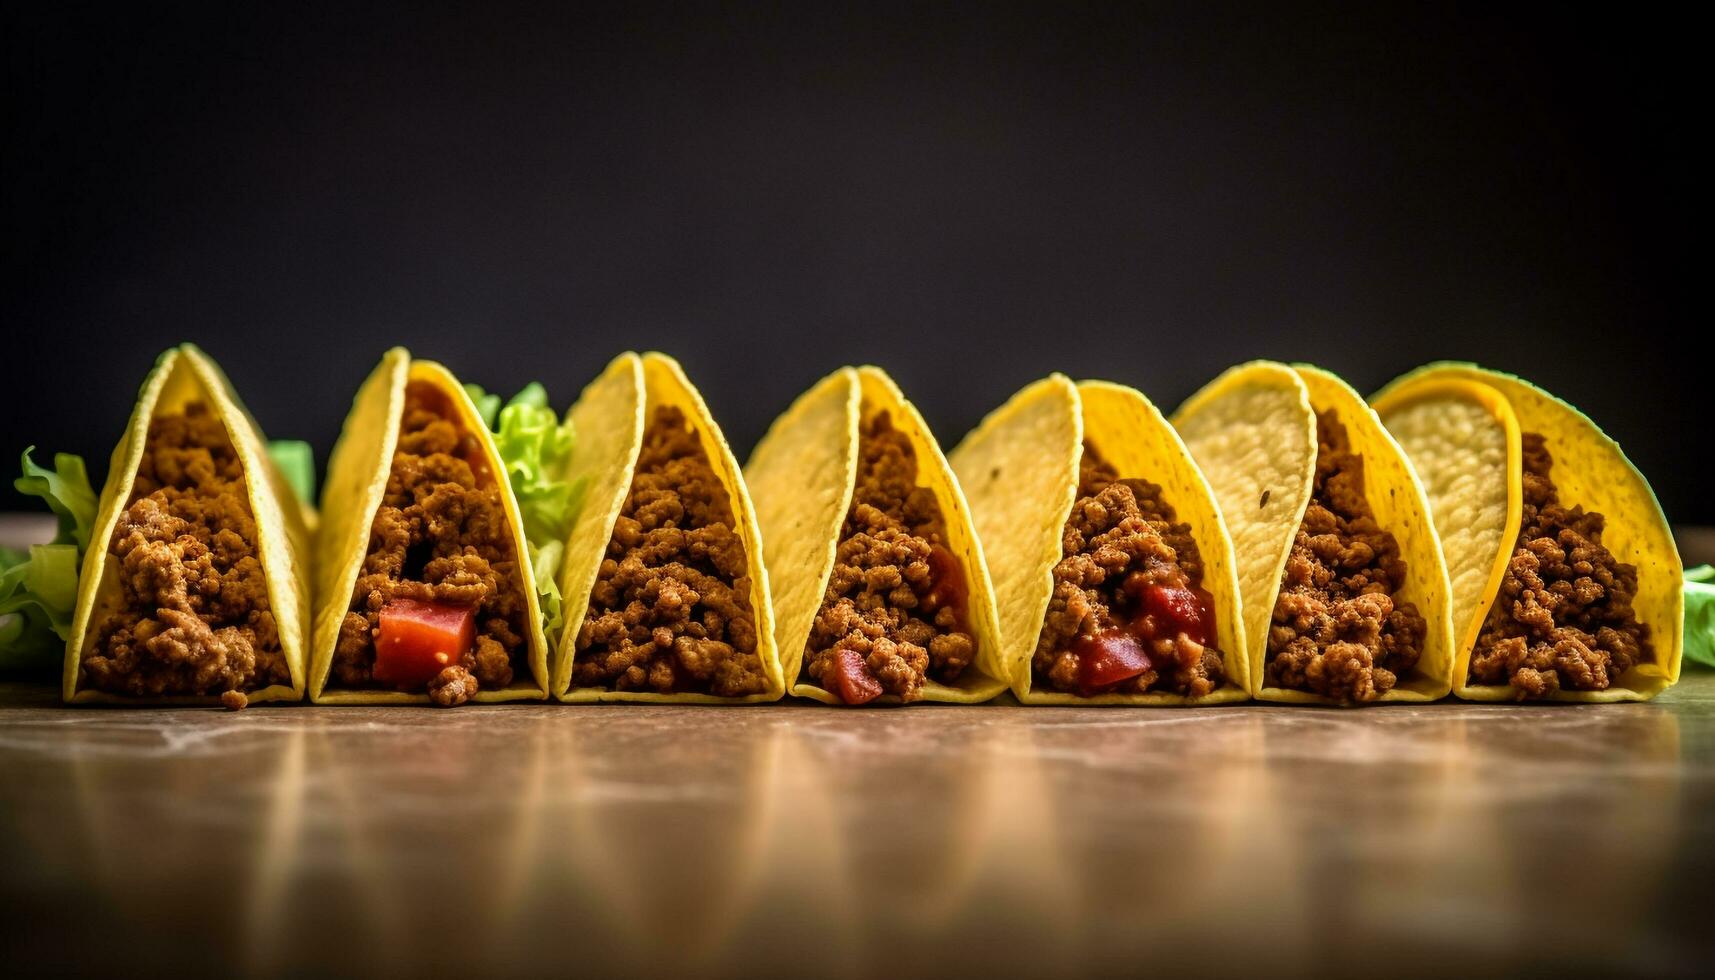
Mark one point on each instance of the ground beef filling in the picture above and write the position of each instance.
(1128, 613)
(894, 610)
(193, 615)
(1563, 617)
(670, 612)
(441, 536)
(1337, 629)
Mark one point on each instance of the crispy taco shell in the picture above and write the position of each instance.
(1462, 426)
(610, 417)
(356, 482)
(181, 376)
(1253, 430)
(1020, 469)
(800, 476)
(803, 476)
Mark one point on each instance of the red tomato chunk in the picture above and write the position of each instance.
(1107, 658)
(949, 584)
(1180, 609)
(417, 640)
(852, 681)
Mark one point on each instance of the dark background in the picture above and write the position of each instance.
(968, 198)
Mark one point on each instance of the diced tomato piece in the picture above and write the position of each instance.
(1107, 658)
(948, 584)
(852, 682)
(418, 640)
(1206, 614)
(1189, 609)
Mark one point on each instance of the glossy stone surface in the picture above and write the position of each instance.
(546, 839)
(553, 839)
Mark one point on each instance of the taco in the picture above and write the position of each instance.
(666, 595)
(1113, 572)
(1344, 591)
(882, 591)
(1566, 580)
(195, 586)
(424, 589)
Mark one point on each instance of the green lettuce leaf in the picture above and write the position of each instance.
(67, 492)
(536, 447)
(1700, 615)
(487, 405)
(297, 461)
(38, 590)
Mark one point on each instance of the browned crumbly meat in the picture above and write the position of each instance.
(896, 596)
(440, 535)
(1563, 618)
(1119, 530)
(193, 617)
(671, 611)
(1337, 630)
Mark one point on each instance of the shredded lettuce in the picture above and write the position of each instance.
(297, 461)
(487, 405)
(1700, 615)
(38, 590)
(536, 446)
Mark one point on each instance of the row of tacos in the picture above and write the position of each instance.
(1278, 538)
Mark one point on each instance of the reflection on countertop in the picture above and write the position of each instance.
(1006, 841)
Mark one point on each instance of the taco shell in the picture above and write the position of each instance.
(1462, 426)
(608, 418)
(357, 478)
(611, 418)
(803, 476)
(1253, 431)
(183, 375)
(1020, 469)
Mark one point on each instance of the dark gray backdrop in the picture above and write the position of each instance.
(969, 198)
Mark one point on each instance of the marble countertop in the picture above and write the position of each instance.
(535, 839)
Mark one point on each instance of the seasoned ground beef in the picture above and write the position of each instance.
(1120, 539)
(1337, 630)
(193, 617)
(894, 609)
(440, 535)
(1563, 618)
(671, 610)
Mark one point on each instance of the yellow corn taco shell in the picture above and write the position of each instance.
(802, 475)
(1020, 467)
(608, 418)
(1253, 432)
(356, 481)
(182, 376)
(611, 418)
(1462, 425)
